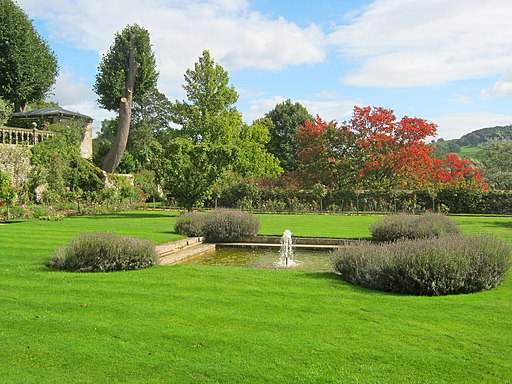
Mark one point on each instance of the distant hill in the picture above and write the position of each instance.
(469, 144)
(480, 136)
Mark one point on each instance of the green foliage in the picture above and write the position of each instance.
(113, 69)
(451, 264)
(27, 64)
(5, 111)
(8, 192)
(207, 144)
(149, 129)
(496, 163)
(403, 226)
(190, 224)
(223, 226)
(286, 117)
(210, 115)
(188, 171)
(56, 163)
(253, 160)
(104, 252)
(145, 181)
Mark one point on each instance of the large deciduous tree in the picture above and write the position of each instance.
(253, 159)
(453, 172)
(287, 118)
(327, 154)
(208, 139)
(496, 163)
(375, 151)
(212, 139)
(28, 67)
(210, 114)
(126, 73)
(395, 154)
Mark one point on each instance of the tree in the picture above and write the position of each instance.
(150, 126)
(371, 151)
(287, 118)
(454, 172)
(210, 115)
(28, 67)
(394, 153)
(212, 139)
(7, 191)
(327, 155)
(126, 73)
(5, 111)
(495, 161)
(207, 142)
(253, 160)
(189, 170)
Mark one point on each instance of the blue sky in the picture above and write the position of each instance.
(446, 61)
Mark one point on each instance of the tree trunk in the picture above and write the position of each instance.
(20, 106)
(115, 154)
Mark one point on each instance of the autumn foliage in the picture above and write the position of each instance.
(375, 151)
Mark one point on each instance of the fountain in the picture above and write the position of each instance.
(286, 252)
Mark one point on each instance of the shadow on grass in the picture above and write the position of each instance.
(127, 215)
(502, 223)
(11, 221)
(336, 279)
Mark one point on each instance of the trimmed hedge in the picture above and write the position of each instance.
(404, 226)
(104, 252)
(223, 226)
(451, 264)
(292, 198)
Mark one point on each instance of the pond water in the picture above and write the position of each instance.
(313, 261)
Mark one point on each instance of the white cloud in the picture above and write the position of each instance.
(456, 125)
(68, 91)
(502, 88)
(402, 43)
(335, 109)
(237, 37)
(259, 107)
(78, 97)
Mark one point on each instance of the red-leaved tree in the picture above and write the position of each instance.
(375, 151)
(454, 172)
(326, 154)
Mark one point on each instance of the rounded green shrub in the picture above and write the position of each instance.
(403, 226)
(450, 264)
(222, 226)
(190, 224)
(104, 252)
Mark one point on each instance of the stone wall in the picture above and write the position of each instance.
(15, 160)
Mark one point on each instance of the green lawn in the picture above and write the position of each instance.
(200, 324)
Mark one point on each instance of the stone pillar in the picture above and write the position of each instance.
(86, 144)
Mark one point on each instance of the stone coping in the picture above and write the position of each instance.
(176, 251)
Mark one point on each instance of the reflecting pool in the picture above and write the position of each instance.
(314, 261)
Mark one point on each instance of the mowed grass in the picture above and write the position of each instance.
(200, 324)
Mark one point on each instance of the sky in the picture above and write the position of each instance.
(449, 62)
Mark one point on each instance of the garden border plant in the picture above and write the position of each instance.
(218, 226)
(451, 264)
(407, 226)
(104, 252)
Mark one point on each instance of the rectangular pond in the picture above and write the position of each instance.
(304, 260)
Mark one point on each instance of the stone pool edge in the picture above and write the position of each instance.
(177, 251)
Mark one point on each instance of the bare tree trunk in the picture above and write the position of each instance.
(113, 157)
(20, 106)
